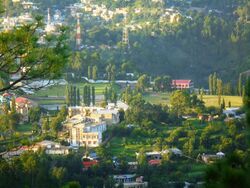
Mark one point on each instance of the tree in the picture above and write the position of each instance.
(74, 96)
(240, 86)
(20, 53)
(67, 95)
(142, 83)
(94, 73)
(89, 72)
(214, 84)
(179, 101)
(219, 90)
(34, 114)
(76, 61)
(113, 72)
(108, 71)
(113, 96)
(210, 83)
(72, 184)
(58, 174)
(106, 94)
(86, 95)
(45, 124)
(93, 95)
(78, 98)
(13, 105)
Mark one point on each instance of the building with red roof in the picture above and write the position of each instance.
(182, 84)
(154, 162)
(23, 105)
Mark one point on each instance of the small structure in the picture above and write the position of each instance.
(130, 181)
(208, 158)
(51, 148)
(88, 161)
(109, 115)
(23, 105)
(182, 84)
(231, 112)
(85, 131)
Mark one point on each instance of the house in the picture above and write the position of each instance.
(155, 157)
(51, 148)
(130, 181)
(23, 105)
(208, 158)
(88, 162)
(85, 131)
(109, 115)
(231, 112)
(182, 84)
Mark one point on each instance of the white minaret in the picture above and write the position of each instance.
(78, 34)
(49, 20)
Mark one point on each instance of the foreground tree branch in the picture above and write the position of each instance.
(21, 54)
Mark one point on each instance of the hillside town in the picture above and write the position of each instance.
(126, 94)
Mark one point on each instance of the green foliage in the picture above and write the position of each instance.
(34, 114)
(48, 64)
(162, 83)
(142, 83)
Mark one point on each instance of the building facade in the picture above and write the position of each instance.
(182, 84)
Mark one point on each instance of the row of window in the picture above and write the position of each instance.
(90, 142)
(90, 137)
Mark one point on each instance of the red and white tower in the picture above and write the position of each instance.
(78, 34)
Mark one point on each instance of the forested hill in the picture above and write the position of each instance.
(206, 36)
(206, 39)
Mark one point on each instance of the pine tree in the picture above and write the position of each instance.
(78, 98)
(240, 86)
(85, 95)
(94, 72)
(223, 105)
(214, 84)
(13, 105)
(93, 95)
(74, 96)
(89, 72)
(106, 98)
(210, 83)
(71, 95)
(67, 96)
(89, 96)
(219, 90)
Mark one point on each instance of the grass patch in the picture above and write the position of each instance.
(41, 102)
(212, 100)
(59, 90)
(157, 98)
(128, 148)
(209, 100)
(27, 127)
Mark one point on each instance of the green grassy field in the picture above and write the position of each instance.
(24, 128)
(157, 98)
(127, 147)
(59, 90)
(210, 100)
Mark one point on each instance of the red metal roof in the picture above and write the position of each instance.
(88, 164)
(177, 82)
(154, 162)
(22, 100)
